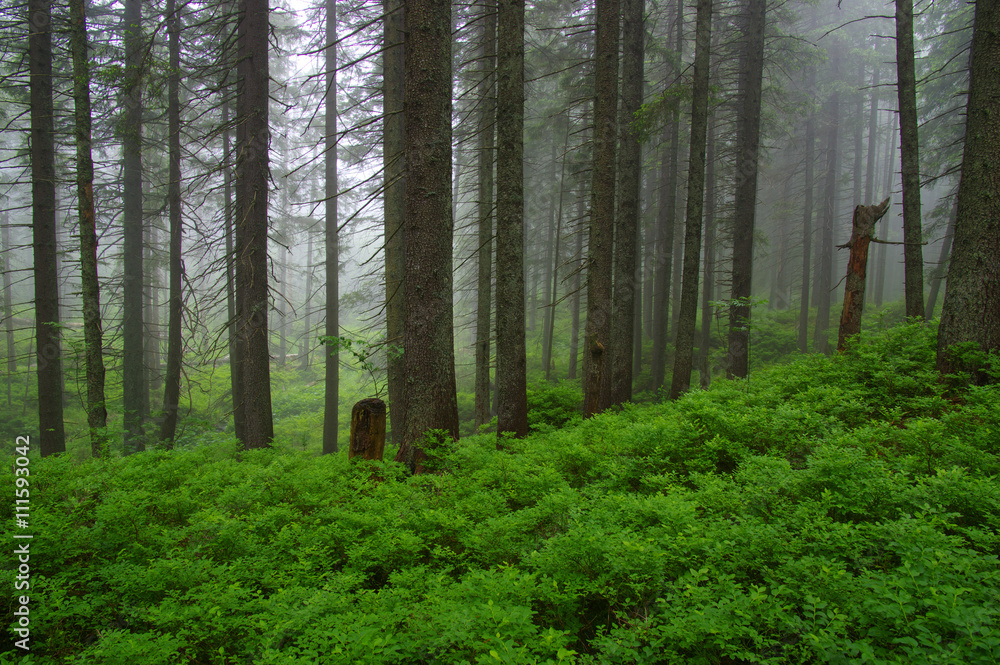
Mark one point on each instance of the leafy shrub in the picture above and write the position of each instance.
(553, 406)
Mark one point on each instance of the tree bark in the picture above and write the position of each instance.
(824, 276)
(807, 215)
(512, 392)
(550, 320)
(331, 402)
(941, 269)
(235, 359)
(747, 148)
(627, 220)
(43, 225)
(913, 261)
(971, 311)
(706, 292)
(172, 389)
(574, 310)
(684, 355)
(97, 414)
(428, 338)
(862, 228)
(367, 430)
(393, 86)
(8, 314)
(133, 357)
(666, 231)
(602, 204)
(484, 291)
(880, 251)
(252, 223)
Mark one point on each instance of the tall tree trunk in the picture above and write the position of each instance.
(251, 222)
(484, 290)
(97, 414)
(880, 251)
(602, 204)
(8, 314)
(824, 280)
(151, 377)
(807, 216)
(872, 138)
(235, 359)
(133, 358)
(747, 147)
(305, 345)
(666, 230)
(394, 166)
(512, 391)
(331, 403)
(172, 390)
(43, 225)
(684, 355)
(941, 269)
(913, 260)
(550, 320)
(706, 292)
(627, 220)
(574, 308)
(971, 311)
(428, 337)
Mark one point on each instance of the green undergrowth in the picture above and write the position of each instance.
(832, 510)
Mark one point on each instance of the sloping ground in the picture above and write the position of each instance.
(832, 510)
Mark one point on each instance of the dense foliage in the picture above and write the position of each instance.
(838, 509)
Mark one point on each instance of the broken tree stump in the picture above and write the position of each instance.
(863, 226)
(367, 429)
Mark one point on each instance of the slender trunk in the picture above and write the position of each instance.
(252, 183)
(8, 314)
(666, 227)
(823, 279)
(871, 154)
(807, 216)
(602, 204)
(684, 355)
(747, 146)
(133, 358)
(913, 260)
(551, 314)
(627, 220)
(171, 394)
(235, 359)
(487, 118)
(707, 288)
(151, 317)
(574, 308)
(880, 251)
(43, 224)
(859, 110)
(97, 414)
(305, 345)
(394, 186)
(331, 404)
(872, 138)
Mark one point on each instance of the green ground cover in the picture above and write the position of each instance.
(842, 509)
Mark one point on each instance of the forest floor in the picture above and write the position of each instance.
(833, 509)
